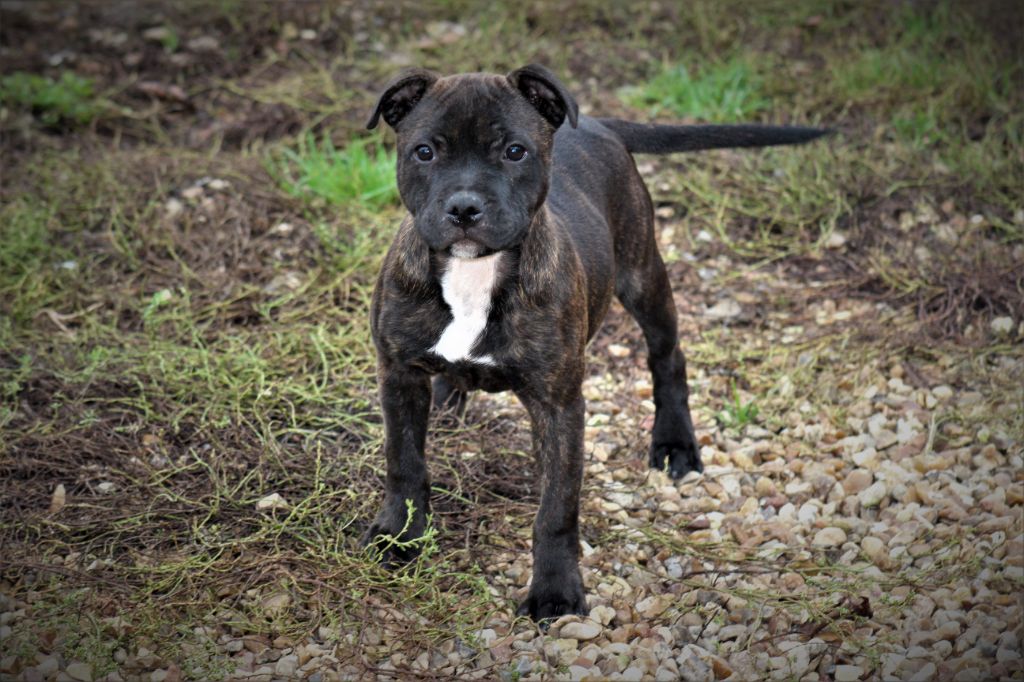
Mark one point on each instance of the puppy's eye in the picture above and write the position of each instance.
(515, 152)
(424, 153)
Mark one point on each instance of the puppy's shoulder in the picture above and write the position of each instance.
(407, 263)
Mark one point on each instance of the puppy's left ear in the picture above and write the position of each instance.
(546, 94)
(400, 96)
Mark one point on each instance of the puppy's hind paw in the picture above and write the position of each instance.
(679, 458)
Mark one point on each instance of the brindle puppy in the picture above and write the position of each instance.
(520, 230)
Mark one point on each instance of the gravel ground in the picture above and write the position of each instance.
(870, 529)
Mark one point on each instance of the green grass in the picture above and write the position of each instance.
(363, 172)
(765, 205)
(940, 71)
(67, 101)
(726, 91)
(738, 414)
(34, 269)
(170, 40)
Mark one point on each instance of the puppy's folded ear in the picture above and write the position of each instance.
(400, 96)
(546, 94)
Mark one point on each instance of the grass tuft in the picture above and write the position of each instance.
(738, 414)
(363, 172)
(726, 91)
(66, 101)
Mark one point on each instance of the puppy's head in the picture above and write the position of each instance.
(474, 153)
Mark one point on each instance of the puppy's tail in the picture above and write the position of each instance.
(655, 138)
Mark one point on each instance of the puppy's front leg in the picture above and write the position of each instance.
(557, 587)
(405, 399)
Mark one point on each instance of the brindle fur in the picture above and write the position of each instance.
(575, 225)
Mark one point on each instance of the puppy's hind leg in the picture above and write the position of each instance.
(644, 290)
(449, 400)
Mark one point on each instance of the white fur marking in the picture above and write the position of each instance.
(467, 285)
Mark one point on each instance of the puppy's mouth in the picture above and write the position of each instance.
(467, 248)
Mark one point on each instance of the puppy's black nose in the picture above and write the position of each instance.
(465, 208)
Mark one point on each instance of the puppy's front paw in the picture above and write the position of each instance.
(682, 458)
(554, 598)
(392, 533)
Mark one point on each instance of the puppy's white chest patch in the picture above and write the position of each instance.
(467, 286)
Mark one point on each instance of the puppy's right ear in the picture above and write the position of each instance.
(401, 95)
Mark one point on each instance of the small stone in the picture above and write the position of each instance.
(643, 388)
(192, 193)
(906, 431)
(619, 351)
(942, 392)
(654, 606)
(48, 666)
(875, 550)
(798, 486)
(916, 652)
(798, 659)
(173, 207)
(949, 630)
(836, 240)
(886, 438)
(925, 674)
(866, 459)
(583, 630)
(203, 44)
(58, 499)
(829, 537)
(848, 673)
(157, 34)
(731, 632)
(720, 668)
(276, 602)
(724, 310)
(79, 671)
(31, 675)
(1002, 326)
(765, 487)
(603, 614)
(272, 501)
(563, 649)
(807, 514)
(857, 480)
(632, 674)
(286, 666)
(873, 495)
(693, 664)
